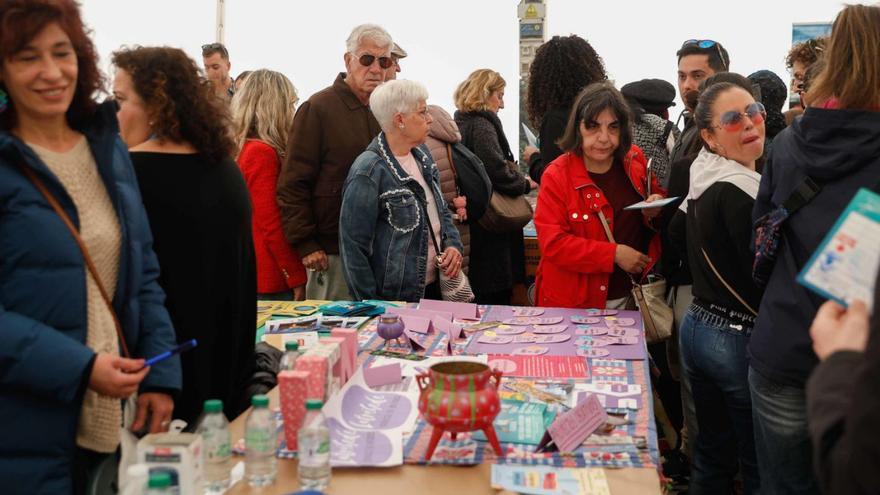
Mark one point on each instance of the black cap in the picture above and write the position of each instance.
(654, 95)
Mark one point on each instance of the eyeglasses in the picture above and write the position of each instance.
(367, 60)
(212, 47)
(734, 121)
(707, 44)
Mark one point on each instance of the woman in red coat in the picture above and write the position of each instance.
(599, 174)
(262, 111)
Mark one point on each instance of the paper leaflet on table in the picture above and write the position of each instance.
(549, 480)
(610, 395)
(520, 422)
(844, 266)
(366, 426)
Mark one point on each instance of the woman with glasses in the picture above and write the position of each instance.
(715, 330)
(836, 144)
(200, 215)
(497, 260)
(73, 335)
(582, 191)
(262, 111)
(396, 232)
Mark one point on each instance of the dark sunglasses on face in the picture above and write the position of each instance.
(734, 121)
(705, 45)
(367, 60)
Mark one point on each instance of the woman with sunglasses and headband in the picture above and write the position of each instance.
(716, 328)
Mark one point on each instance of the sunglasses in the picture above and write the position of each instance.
(367, 60)
(210, 47)
(734, 121)
(705, 45)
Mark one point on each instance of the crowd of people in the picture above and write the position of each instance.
(163, 212)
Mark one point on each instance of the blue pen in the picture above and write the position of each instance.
(189, 344)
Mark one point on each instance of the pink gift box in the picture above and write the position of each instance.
(292, 388)
(316, 367)
(335, 343)
(349, 350)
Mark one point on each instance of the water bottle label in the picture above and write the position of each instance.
(259, 440)
(314, 452)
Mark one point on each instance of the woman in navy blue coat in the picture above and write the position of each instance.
(62, 379)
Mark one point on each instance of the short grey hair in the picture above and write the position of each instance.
(364, 32)
(393, 97)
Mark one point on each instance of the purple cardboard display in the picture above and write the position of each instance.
(421, 313)
(569, 348)
(376, 376)
(417, 324)
(467, 311)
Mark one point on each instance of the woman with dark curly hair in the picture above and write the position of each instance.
(73, 333)
(200, 214)
(562, 67)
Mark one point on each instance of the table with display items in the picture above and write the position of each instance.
(627, 467)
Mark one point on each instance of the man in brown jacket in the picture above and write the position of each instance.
(329, 131)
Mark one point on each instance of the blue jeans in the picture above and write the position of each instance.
(782, 440)
(716, 363)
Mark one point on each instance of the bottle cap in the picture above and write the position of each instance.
(213, 405)
(260, 401)
(314, 404)
(291, 345)
(161, 479)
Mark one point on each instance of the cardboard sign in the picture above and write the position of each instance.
(389, 374)
(465, 311)
(573, 427)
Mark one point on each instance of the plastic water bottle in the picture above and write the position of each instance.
(159, 484)
(260, 441)
(214, 429)
(314, 448)
(291, 353)
(138, 475)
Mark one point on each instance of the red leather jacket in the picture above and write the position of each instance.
(576, 257)
(279, 267)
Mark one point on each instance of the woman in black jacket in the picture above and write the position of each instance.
(837, 145)
(562, 67)
(497, 260)
(716, 328)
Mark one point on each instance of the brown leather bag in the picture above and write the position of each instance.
(506, 213)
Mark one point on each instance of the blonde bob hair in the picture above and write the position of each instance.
(263, 109)
(473, 94)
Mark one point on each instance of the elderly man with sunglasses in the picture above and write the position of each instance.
(329, 131)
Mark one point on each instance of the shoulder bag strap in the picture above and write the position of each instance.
(452, 166)
(610, 236)
(716, 272)
(82, 247)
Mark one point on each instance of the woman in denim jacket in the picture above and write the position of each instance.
(392, 206)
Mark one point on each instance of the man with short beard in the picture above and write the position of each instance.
(329, 131)
(697, 60)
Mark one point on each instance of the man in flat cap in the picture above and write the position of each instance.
(654, 96)
(397, 53)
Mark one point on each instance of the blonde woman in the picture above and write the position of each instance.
(262, 112)
(497, 261)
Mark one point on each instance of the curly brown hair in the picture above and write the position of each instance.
(181, 104)
(22, 20)
(562, 67)
(806, 52)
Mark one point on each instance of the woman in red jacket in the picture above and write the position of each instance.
(600, 173)
(262, 111)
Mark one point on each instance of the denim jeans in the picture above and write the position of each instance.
(715, 360)
(782, 441)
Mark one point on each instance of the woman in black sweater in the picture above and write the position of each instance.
(716, 329)
(497, 260)
(200, 214)
(562, 67)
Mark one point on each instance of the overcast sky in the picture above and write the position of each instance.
(448, 39)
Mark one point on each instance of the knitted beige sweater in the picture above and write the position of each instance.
(101, 416)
